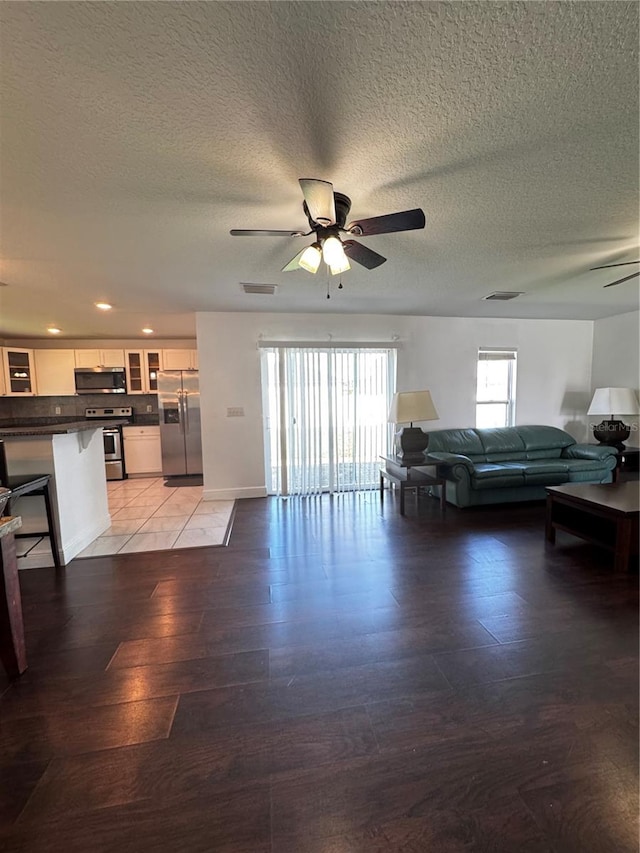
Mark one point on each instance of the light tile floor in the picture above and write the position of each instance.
(146, 515)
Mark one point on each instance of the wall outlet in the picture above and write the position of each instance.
(149, 408)
(58, 410)
(235, 412)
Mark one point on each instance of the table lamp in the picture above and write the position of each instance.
(612, 401)
(407, 407)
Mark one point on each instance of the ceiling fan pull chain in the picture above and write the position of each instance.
(328, 286)
(340, 285)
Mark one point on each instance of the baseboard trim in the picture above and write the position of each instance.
(72, 547)
(41, 558)
(234, 494)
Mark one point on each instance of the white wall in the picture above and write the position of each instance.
(438, 353)
(616, 357)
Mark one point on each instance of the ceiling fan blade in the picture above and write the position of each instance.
(294, 262)
(241, 232)
(626, 278)
(362, 254)
(608, 266)
(406, 220)
(319, 198)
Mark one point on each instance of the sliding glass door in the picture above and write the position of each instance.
(326, 416)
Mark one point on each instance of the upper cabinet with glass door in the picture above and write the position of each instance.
(142, 367)
(18, 372)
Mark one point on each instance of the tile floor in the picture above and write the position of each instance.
(146, 515)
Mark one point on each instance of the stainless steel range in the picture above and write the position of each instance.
(112, 436)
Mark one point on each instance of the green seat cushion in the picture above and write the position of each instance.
(489, 476)
(541, 472)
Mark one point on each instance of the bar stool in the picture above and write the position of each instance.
(34, 485)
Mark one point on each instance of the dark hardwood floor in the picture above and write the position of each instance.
(338, 680)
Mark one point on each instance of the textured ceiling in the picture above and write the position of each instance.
(135, 135)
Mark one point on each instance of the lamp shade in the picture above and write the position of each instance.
(410, 406)
(614, 401)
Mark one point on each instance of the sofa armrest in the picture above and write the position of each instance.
(608, 455)
(455, 464)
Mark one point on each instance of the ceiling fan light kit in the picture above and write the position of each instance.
(327, 211)
(310, 258)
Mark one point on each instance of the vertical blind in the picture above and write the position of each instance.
(326, 416)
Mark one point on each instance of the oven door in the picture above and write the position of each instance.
(112, 437)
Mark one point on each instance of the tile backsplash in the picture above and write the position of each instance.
(73, 407)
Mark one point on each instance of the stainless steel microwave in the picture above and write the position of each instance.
(100, 380)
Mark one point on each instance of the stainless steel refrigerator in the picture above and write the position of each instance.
(179, 410)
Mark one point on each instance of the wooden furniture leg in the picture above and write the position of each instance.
(550, 531)
(12, 646)
(622, 551)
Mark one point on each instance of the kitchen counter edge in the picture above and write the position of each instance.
(55, 429)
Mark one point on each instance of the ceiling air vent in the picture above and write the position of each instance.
(267, 289)
(503, 295)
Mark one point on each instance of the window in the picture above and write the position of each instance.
(496, 389)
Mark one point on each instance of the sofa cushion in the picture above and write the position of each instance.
(514, 456)
(541, 472)
(544, 437)
(501, 440)
(489, 476)
(463, 441)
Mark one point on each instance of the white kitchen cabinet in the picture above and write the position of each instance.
(100, 358)
(54, 372)
(179, 359)
(19, 373)
(142, 367)
(3, 387)
(142, 453)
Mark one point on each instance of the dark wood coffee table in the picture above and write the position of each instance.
(606, 514)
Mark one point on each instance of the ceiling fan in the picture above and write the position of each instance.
(620, 280)
(327, 213)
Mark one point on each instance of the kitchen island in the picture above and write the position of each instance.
(72, 452)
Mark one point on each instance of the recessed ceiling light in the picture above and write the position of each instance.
(103, 306)
(53, 330)
(148, 331)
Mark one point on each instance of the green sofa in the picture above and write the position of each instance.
(487, 466)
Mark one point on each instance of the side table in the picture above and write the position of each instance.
(405, 474)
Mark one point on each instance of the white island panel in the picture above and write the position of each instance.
(78, 489)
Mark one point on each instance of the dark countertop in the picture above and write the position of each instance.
(59, 428)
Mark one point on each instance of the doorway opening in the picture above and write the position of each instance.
(326, 413)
